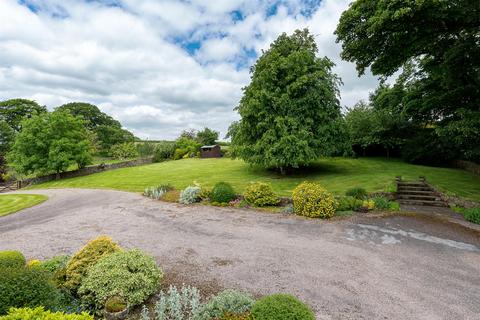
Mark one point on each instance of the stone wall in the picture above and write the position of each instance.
(87, 171)
(469, 166)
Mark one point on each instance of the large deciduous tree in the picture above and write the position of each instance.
(108, 131)
(290, 111)
(50, 142)
(14, 111)
(437, 44)
(207, 136)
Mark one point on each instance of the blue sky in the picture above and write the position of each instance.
(159, 66)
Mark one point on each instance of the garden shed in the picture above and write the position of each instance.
(213, 151)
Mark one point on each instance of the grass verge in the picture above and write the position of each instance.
(10, 203)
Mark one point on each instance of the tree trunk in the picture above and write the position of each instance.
(282, 171)
(388, 153)
(57, 176)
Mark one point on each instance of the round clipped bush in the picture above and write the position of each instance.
(281, 307)
(26, 287)
(222, 192)
(130, 274)
(40, 314)
(230, 302)
(472, 215)
(260, 194)
(86, 257)
(12, 259)
(312, 200)
(357, 193)
(190, 195)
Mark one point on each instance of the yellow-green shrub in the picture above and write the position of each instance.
(40, 314)
(369, 204)
(86, 257)
(260, 194)
(12, 259)
(314, 201)
(33, 263)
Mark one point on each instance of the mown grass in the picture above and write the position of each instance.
(10, 203)
(336, 174)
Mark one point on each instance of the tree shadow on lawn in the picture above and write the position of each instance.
(303, 172)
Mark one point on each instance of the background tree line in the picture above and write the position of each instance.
(35, 141)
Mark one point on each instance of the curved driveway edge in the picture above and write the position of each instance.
(363, 268)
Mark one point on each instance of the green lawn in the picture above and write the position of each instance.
(336, 174)
(10, 203)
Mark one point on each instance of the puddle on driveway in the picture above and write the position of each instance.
(393, 236)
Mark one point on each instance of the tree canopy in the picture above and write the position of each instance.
(435, 44)
(14, 111)
(290, 111)
(207, 136)
(7, 136)
(108, 131)
(50, 142)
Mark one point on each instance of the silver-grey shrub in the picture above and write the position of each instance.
(177, 305)
(190, 195)
(228, 301)
(157, 192)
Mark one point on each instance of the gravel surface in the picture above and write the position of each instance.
(398, 267)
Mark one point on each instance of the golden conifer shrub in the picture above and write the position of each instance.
(312, 200)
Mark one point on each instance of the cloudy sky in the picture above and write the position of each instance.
(159, 66)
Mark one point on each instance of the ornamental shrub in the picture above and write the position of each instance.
(357, 193)
(12, 259)
(171, 196)
(33, 263)
(163, 151)
(222, 192)
(472, 215)
(130, 274)
(26, 287)
(281, 307)
(190, 195)
(40, 314)
(347, 203)
(54, 264)
(260, 194)
(85, 258)
(381, 203)
(158, 191)
(368, 204)
(177, 305)
(228, 301)
(122, 151)
(205, 193)
(312, 200)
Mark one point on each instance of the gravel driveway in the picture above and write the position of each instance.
(359, 268)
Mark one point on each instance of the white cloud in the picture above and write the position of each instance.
(133, 59)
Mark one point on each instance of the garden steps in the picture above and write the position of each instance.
(418, 193)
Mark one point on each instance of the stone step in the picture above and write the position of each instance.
(412, 183)
(418, 197)
(422, 203)
(413, 188)
(425, 192)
